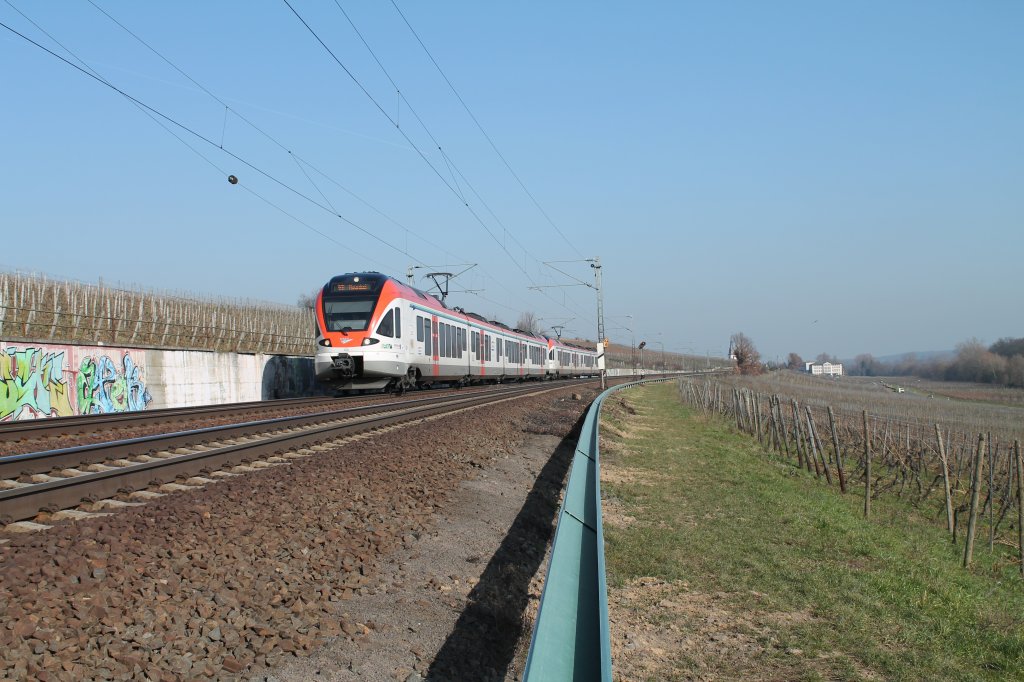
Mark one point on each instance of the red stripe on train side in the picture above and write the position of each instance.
(433, 336)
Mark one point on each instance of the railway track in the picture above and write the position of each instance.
(97, 474)
(41, 430)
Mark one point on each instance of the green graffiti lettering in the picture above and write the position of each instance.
(32, 384)
(86, 371)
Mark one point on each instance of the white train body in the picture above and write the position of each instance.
(375, 332)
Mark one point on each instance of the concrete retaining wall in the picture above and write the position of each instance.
(47, 380)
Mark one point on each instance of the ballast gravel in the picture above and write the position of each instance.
(249, 573)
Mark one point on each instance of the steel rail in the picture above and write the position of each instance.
(59, 493)
(87, 423)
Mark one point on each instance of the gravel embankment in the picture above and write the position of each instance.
(250, 572)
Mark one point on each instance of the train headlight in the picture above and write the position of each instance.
(370, 342)
(325, 342)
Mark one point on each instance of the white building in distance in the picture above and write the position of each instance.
(825, 368)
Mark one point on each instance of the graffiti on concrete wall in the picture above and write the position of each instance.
(49, 381)
(32, 384)
(104, 387)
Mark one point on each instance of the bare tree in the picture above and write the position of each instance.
(528, 322)
(307, 301)
(795, 361)
(748, 360)
(866, 365)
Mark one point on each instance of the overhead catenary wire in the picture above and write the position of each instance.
(366, 92)
(199, 136)
(401, 131)
(452, 167)
(185, 142)
(484, 132)
(302, 162)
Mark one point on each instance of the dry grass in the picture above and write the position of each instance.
(740, 566)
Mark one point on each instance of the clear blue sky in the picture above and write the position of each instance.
(837, 177)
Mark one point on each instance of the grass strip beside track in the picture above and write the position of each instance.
(726, 563)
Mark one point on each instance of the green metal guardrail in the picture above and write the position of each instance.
(571, 640)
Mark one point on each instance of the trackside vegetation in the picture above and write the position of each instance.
(725, 562)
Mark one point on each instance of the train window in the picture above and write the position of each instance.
(398, 323)
(428, 338)
(348, 314)
(442, 340)
(419, 328)
(487, 346)
(387, 324)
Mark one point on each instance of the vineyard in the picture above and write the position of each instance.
(37, 309)
(957, 461)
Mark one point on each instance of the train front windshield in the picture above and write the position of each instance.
(348, 307)
(348, 315)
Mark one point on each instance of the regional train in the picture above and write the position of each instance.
(374, 332)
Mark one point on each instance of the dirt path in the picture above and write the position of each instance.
(449, 604)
